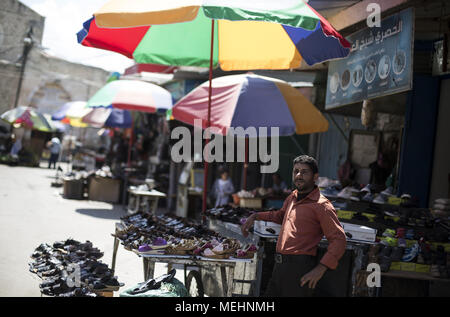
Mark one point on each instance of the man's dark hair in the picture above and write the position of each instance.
(308, 160)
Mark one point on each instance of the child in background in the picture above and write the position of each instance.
(222, 189)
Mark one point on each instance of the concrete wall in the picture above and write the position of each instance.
(15, 21)
(48, 81)
(441, 163)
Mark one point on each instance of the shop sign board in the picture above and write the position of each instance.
(379, 63)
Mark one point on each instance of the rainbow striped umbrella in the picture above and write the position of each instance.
(300, 33)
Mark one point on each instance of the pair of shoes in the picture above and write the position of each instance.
(154, 283)
(411, 253)
(389, 241)
(388, 191)
(380, 199)
(401, 242)
(410, 234)
(400, 233)
(368, 197)
(389, 233)
(330, 192)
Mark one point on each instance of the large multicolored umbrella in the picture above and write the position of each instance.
(251, 101)
(27, 116)
(113, 102)
(132, 95)
(108, 118)
(72, 113)
(299, 34)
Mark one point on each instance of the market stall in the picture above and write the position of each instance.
(405, 241)
(175, 240)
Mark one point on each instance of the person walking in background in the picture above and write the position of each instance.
(55, 148)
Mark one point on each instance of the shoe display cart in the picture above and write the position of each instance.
(194, 264)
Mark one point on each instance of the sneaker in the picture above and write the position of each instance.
(388, 191)
(411, 253)
(355, 195)
(400, 233)
(346, 193)
(388, 241)
(331, 192)
(380, 199)
(401, 242)
(389, 233)
(339, 205)
(410, 234)
(366, 189)
(368, 197)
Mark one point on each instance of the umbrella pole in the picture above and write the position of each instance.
(205, 178)
(245, 164)
(130, 143)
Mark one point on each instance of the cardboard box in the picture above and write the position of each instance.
(73, 188)
(396, 266)
(250, 202)
(105, 189)
(410, 267)
(423, 268)
(359, 232)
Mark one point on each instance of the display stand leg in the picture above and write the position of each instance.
(259, 258)
(149, 268)
(154, 206)
(357, 263)
(223, 275)
(230, 283)
(116, 247)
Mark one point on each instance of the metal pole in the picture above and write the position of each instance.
(205, 178)
(245, 164)
(28, 44)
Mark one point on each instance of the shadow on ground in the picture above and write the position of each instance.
(103, 213)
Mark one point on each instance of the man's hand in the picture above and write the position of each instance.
(313, 276)
(247, 225)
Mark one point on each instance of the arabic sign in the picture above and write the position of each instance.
(379, 64)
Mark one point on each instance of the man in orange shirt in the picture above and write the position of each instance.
(306, 216)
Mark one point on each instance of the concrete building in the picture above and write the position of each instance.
(48, 81)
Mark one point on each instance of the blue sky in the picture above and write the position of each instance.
(63, 19)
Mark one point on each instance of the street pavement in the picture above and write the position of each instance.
(32, 212)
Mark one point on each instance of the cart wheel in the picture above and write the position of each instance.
(194, 284)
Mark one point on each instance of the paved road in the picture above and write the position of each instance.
(32, 212)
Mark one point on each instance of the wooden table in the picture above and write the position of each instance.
(143, 198)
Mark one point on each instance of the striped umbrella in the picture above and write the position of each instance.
(300, 33)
